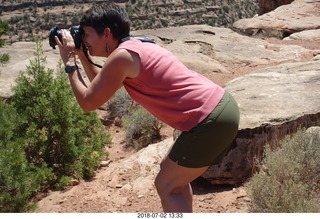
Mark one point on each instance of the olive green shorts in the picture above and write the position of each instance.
(207, 143)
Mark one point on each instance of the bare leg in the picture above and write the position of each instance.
(173, 186)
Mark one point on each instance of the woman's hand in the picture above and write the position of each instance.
(79, 52)
(66, 47)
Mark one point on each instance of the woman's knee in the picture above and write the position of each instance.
(160, 184)
(165, 187)
(161, 179)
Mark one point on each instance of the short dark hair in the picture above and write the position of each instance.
(110, 15)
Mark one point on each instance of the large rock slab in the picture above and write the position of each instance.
(273, 102)
(277, 94)
(295, 17)
(310, 35)
(212, 48)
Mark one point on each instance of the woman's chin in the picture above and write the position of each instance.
(92, 53)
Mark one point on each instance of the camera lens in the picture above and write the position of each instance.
(54, 32)
(76, 33)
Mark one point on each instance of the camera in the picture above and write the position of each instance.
(75, 31)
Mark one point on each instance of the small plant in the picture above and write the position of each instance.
(4, 58)
(4, 27)
(141, 127)
(289, 179)
(119, 104)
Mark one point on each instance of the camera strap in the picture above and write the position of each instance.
(85, 51)
(143, 39)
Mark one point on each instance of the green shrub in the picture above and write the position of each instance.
(119, 104)
(289, 179)
(141, 127)
(55, 129)
(4, 58)
(4, 27)
(19, 179)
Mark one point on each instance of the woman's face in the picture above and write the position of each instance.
(94, 43)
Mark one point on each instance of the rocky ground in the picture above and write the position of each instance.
(85, 197)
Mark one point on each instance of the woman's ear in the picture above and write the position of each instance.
(107, 32)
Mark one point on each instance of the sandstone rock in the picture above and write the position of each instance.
(104, 163)
(314, 130)
(273, 103)
(298, 16)
(145, 165)
(311, 35)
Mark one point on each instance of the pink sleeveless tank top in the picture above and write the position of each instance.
(169, 90)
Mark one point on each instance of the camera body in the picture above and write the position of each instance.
(75, 31)
(77, 34)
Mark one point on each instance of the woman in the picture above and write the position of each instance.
(207, 115)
